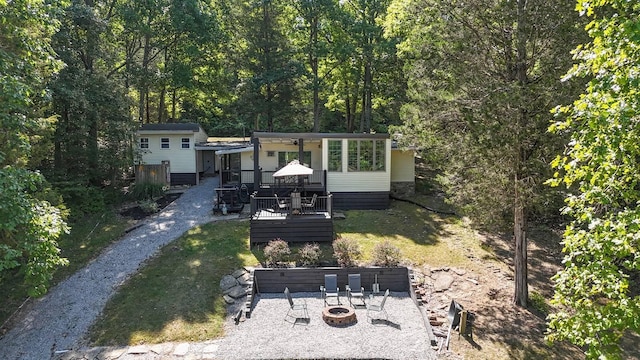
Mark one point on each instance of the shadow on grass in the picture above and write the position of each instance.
(177, 296)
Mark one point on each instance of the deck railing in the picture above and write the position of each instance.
(272, 206)
(266, 178)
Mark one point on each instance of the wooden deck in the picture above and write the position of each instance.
(266, 226)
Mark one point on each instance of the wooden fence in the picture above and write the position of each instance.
(157, 174)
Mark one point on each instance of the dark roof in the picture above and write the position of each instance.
(274, 135)
(171, 126)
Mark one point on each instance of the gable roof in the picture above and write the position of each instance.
(171, 127)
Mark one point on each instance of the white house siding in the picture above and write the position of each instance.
(180, 160)
(357, 181)
(270, 163)
(403, 168)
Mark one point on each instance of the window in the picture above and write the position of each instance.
(144, 143)
(164, 143)
(285, 157)
(366, 155)
(335, 155)
(185, 143)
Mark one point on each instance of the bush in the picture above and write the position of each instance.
(539, 303)
(309, 255)
(386, 254)
(81, 199)
(276, 253)
(346, 252)
(148, 206)
(147, 190)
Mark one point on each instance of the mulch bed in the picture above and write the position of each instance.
(136, 213)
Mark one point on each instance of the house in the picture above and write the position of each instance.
(182, 152)
(350, 171)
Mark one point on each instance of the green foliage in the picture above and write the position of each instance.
(309, 255)
(277, 253)
(81, 198)
(539, 303)
(346, 252)
(597, 291)
(386, 254)
(149, 206)
(147, 190)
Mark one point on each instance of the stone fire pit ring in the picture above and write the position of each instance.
(339, 315)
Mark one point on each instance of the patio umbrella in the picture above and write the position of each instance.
(294, 168)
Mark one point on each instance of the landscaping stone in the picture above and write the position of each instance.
(442, 282)
(139, 349)
(228, 299)
(244, 280)
(181, 349)
(459, 271)
(238, 273)
(227, 282)
(237, 292)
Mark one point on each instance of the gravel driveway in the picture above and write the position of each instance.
(57, 321)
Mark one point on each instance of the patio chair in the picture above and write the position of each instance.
(311, 204)
(330, 288)
(377, 308)
(280, 204)
(299, 306)
(355, 289)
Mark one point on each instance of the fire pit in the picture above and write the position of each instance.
(339, 315)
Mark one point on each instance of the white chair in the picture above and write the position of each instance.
(295, 306)
(377, 308)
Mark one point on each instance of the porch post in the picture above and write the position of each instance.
(257, 176)
(301, 159)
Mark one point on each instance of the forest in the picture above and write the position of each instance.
(526, 111)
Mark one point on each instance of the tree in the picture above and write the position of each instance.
(29, 225)
(598, 291)
(482, 75)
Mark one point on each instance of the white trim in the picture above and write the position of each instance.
(234, 151)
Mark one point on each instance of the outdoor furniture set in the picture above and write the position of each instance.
(334, 313)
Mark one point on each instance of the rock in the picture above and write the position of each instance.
(244, 280)
(238, 273)
(459, 271)
(442, 282)
(227, 282)
(139, 349)
(237, 292)
(228, 299)
(181, 349)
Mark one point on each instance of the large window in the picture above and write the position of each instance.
(366, 155)
(335, 155)
(285, 157)
(144, 143)
(164, 143)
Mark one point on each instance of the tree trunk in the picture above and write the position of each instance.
(143, 82)
(313, 60)
(521, 296)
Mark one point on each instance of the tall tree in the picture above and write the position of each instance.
(29, 225)
(482, 76)
(598, 291)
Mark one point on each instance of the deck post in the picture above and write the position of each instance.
(257, 176)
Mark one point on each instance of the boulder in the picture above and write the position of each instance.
(237, 292)
(443, 282)
(227, 282)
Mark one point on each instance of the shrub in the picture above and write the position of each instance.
(276, 252)
(147, 190)
(81, 199)
(309, 255)
(346, 252)
(148, 206)
(386, 254)
(539, 303)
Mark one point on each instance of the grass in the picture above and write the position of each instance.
(176, 296)
(88, 236)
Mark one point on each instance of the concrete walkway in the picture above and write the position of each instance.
(57, 322)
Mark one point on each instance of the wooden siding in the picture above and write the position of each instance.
(310, 279)
(403, 168)
(184, 179)
(157, 174)
(293, 228)
(361, 200)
